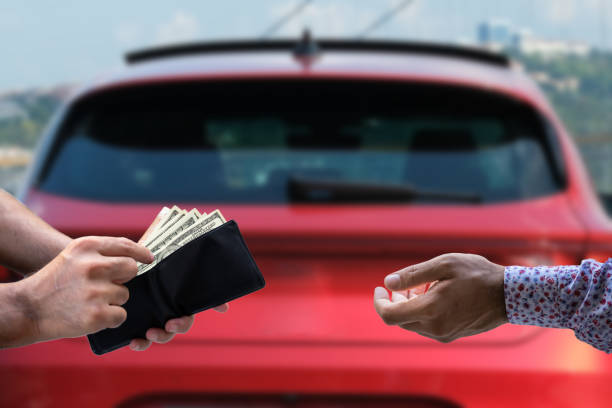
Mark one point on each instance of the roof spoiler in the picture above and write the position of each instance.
(322, 45)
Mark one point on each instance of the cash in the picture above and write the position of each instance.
(174, 227)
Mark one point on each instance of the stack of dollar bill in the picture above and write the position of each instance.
(174, 227)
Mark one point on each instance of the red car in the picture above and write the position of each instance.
(341, 162)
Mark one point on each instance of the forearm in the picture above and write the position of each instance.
(574, 297)
(27, 243)
(18, 317)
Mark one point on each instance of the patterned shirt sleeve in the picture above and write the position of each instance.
(573, 297)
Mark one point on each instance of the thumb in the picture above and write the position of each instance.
(418, 274)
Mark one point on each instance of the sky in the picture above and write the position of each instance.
(45, 43)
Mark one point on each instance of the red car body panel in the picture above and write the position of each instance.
(313, 330)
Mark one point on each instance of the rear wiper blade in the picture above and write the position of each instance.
(313, 190)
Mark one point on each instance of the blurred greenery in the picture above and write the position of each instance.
(24, 129)
(585, 110)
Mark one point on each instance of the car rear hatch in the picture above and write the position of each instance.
(334, 183)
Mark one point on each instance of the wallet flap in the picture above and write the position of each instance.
(209, 271)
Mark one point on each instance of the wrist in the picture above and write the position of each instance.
(19, 318)
(498, 293)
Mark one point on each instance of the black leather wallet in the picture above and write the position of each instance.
(210, 270)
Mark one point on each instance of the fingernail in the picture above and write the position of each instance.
(381, 293)
(172, 328)
(393, 281)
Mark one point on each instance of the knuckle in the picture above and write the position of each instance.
(125, 267)
(406, 279)
(482, 262)
(125, 242)
(447, 260)
(94, 267)
(93, 294)
(84, 243)
(96, 316)
(123, 295)
(117, 318)
(129, 265)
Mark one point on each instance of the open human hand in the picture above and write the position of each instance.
(466, 297)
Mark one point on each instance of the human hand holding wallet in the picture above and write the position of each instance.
(201, 261)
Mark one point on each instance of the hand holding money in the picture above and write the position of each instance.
(172, 228)
(80, 291)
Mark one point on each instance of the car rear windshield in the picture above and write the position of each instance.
(301, 141)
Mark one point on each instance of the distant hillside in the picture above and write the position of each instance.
(24, 114)
(580, 89)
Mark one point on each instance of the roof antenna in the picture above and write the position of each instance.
(306, 47)
(306, 50)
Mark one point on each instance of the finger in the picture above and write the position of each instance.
(122, 268)
(381, 297)
(399, 312)
(139, 344)
(398, 297)
(118, 295)
(179, 325)
(116, 316)
(113, 246)
(414, 275)
(381, 300)
(222, 308)
(158, 335)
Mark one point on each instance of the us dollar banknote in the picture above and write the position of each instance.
(182, 231)
(168, 216)
(172, 219)
(213, 220)
(160, 218)
(160, 242)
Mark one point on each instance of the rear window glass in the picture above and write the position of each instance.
(296, 141)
